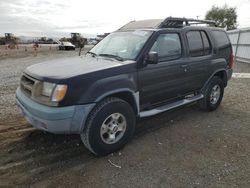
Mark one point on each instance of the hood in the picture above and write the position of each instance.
(73, 66)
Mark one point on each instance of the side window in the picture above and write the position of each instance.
(206, 43)
(221, 38)
(168, 46)
(195, 43)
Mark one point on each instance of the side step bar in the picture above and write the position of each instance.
(170, 106)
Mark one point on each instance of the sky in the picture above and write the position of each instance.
(57, 18)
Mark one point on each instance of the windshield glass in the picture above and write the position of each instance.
(125, 45)
(66, 43)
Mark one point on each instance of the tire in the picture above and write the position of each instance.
(212, 99)
(98, 134)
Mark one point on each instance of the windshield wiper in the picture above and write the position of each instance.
(112, 56)
(92, 53)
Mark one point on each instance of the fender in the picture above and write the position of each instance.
(214, 73)
(134, 94)
(98, 89)
(116, 91)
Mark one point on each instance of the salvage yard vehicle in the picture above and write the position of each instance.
(9, 40)
(66, 46)
(144, 68)
(78, 40)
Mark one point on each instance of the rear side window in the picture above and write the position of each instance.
(199, 44)
(221, 38)
(195, 43)
(168, 46)
(206, 43)
(223, 44)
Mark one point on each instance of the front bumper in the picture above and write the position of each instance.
(59, 120)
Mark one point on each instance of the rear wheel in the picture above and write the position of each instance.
(109, 126)
(213, 94)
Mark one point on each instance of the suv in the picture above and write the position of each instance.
(144, 68)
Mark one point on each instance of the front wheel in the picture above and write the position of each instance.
(109, 126)
(213, 94)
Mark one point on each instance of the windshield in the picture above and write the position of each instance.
(125, 45)
(66, 43)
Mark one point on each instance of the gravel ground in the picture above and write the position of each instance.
(10, 73)
(24, 50)
(242, 67)
(184, 147)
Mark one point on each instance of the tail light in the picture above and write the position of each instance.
(231, 61)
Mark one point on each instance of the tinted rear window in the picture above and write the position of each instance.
(221, 38)
(195, 43)
(206, 43)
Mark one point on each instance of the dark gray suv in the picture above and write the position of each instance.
(145, 68)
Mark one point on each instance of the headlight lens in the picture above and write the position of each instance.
(59, 93)
(47, 89)
(53, 91)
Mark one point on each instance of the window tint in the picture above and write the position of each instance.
(206, 43)
(168, 46)
(221, 38)
(195, 43)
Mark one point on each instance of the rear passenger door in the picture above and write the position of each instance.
(199, 58)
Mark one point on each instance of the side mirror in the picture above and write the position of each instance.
(152, 58)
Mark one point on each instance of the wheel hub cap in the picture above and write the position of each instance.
(215, 94)
(113, 128)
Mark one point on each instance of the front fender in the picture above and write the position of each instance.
(108, 86)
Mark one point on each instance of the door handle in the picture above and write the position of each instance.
(185, 67)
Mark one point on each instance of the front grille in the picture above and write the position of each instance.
(32, 88)
(27, 84)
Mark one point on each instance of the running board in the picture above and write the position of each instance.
(170, 106)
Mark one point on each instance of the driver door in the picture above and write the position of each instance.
(165, 80)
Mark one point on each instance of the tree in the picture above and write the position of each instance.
(226, 17)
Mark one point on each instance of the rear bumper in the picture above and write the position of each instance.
(59, 120)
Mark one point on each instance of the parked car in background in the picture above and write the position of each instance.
(92, 41)
(67, 46)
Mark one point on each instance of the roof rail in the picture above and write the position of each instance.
(174, 22)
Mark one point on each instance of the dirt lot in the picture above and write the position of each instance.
(24, 50)
(181, 148)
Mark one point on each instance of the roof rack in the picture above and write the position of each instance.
(170, 22)
(173, 22)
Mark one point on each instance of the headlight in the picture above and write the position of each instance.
(59, 93)
(47, 89)
(53, 91)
